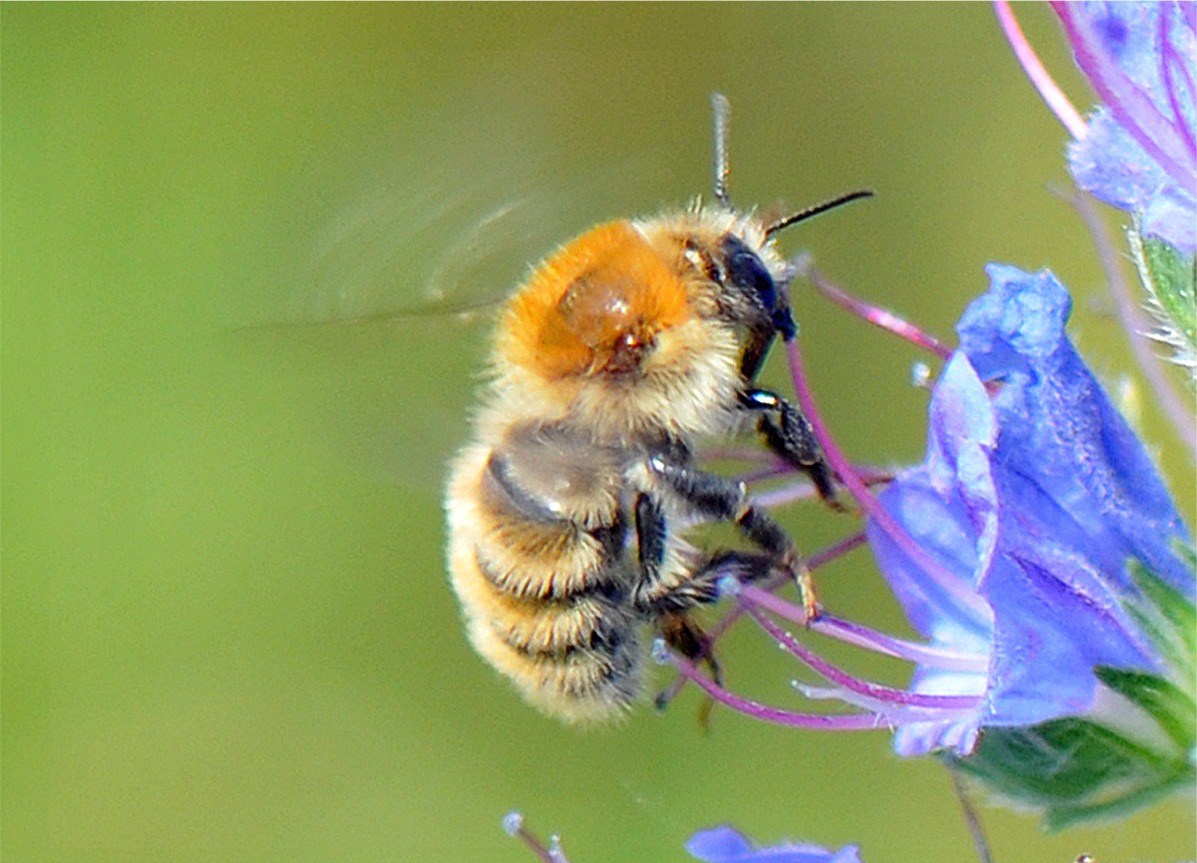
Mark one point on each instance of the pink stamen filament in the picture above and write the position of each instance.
(775, 715)
(778, 469)
(738, 454)
(896, 715)
(1049, 91)
(1171, 59)
(887, 645)
(795, 492)
(877, 316)
(792, 493)
(945, 579)
(881, 696)
(861, 636)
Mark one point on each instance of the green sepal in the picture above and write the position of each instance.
(1171, 708)
(1167, 617)
(1170, 280)
(1117, 759)
(1073, 771)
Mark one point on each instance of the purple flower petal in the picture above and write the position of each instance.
(1111, 164)
(1035, 494)
(1139, 152)
(1064, 451)
(727, 845)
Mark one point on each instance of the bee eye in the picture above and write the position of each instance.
(745, 271)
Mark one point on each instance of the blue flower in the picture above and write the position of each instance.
(1138, 152)
(1034, 495)
(726, 845)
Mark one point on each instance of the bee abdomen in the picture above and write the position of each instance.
(595, 681)
(581, 621)
(575, 656)
(540, 570)
(537, 561)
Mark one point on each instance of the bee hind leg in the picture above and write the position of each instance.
(701, 587)
(687, 638)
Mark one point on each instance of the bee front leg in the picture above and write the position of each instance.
(789, 435)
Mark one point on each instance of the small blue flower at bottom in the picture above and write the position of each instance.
(727, 845)
(1034, 495)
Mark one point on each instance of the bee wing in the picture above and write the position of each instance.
(385, 328)
(387, 397)
(380, 314)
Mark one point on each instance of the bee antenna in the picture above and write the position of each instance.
(816, 210)
(722, 113)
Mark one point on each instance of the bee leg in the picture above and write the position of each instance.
(687, 638)
(650, 540)
(701, 587)
(661, 598)
(667, 603)
(789, 435)
(720, 499)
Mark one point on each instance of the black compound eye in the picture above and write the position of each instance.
(744, 270)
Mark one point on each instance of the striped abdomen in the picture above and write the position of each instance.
(536, 558)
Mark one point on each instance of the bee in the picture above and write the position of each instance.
(566, 512)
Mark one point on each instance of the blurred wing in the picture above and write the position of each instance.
(381, 311)
(385, 330)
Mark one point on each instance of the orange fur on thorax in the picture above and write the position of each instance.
(605, 286)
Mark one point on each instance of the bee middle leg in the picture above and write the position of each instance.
(720, 499)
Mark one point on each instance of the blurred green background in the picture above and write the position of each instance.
(226, 631)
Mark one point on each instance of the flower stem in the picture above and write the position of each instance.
(513, 824)
(975, 830)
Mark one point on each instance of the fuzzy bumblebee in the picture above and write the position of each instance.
(567, 509)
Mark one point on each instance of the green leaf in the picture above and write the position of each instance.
(1072, 770)
(1170, 280)
(1166, 703)
(1167, 616)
